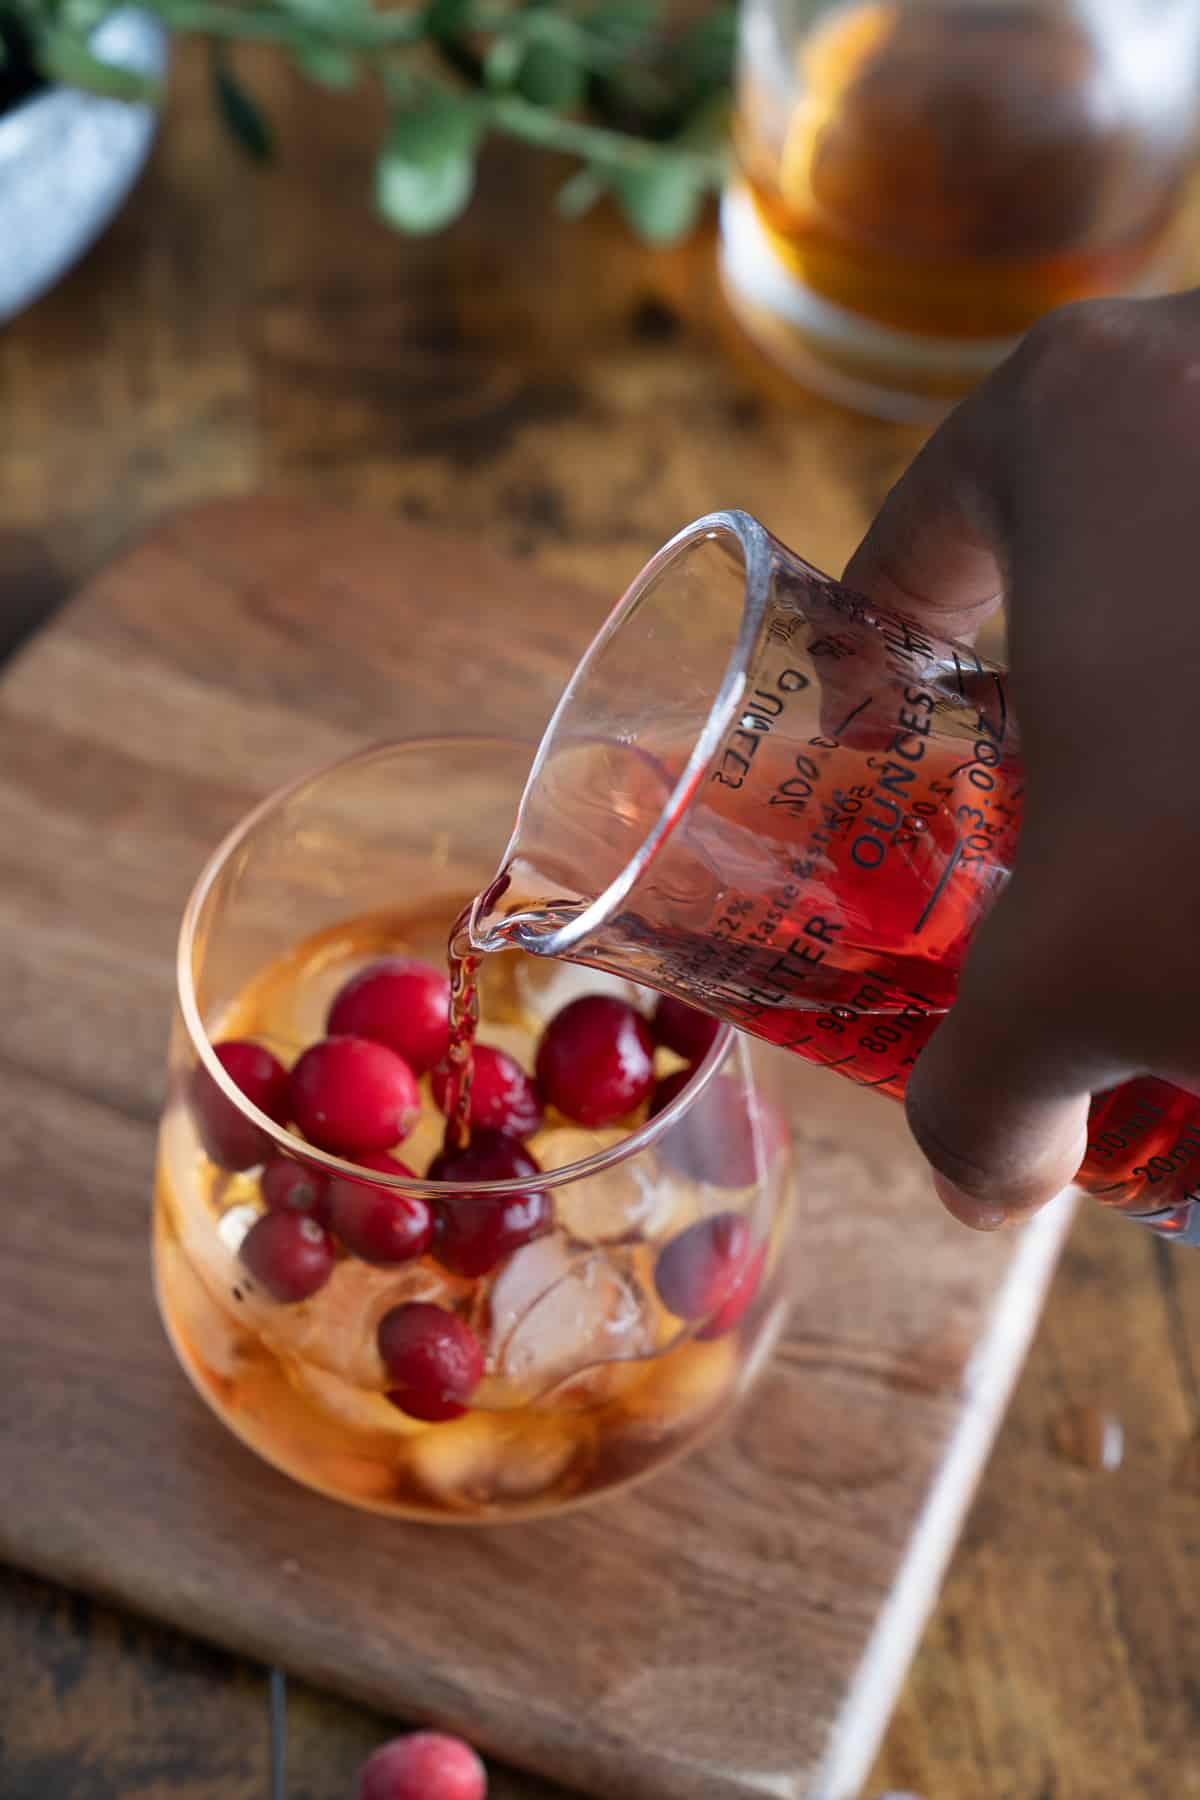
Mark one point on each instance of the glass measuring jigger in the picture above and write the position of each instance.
(764, 795)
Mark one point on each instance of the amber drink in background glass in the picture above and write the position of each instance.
(917, 181)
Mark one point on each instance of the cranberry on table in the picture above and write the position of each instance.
(473, 1233)
(231, 1139)
(596, 1060)
(290, 1186)
(434, 1361)
(503, 1096)
(375, 1223)
(683, 1028)
(427, 1765)
(399, 1002)
(288, 1254)
(348, 1094)
(705, 1272)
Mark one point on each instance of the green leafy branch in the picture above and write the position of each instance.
(640, 105)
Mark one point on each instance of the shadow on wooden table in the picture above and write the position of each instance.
(32, 586)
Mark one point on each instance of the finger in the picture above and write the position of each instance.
(999, 1099)
(929, 554)
(998, 1147)
(931, 551)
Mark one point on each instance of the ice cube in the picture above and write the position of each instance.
(209, 1245)
(634, 1198)
(360, 1408)
(213, 1336)
(487, 1457)
(524, 1278)
(686, 1384)
(565, 1144)
(556, 1311)
(335, 1330)
(182, 1158)
(212, 1246)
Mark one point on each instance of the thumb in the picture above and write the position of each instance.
(998, 1101)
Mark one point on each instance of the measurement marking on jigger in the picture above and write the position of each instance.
(851, 716)
(943, 878)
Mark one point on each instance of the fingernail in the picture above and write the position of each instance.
(979, 1215)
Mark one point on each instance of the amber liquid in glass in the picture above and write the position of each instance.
(590, 1381)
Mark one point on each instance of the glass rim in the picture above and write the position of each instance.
(756, 545)
(299, 1149)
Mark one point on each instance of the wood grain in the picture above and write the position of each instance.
(571, 397)
(737, 1627)
(559, 388)
(1062, 1658)
(106, 1707)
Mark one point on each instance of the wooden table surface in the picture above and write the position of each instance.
(572, 398)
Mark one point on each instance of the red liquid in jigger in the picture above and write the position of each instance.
(849, 946)
(873, 1022)
(1144, 1136)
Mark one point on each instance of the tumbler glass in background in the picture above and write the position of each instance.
(917, 181)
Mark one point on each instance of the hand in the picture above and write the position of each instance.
(1068, 482)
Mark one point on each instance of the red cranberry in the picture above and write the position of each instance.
(740, 1295)
(434, 1361)
(683, 1029)
(424, 1766)
(596, 1060)
(729, 1138)
(231, 1139)
(698, 1272)
(475, 1232)
(289, 1186)
(348, 1095)
(490, 1156)
(376, 1223)
(503, 1098)
(666, 1090)
(288, 1254)
(398, 1002)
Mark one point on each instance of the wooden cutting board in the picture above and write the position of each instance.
(738, 1626)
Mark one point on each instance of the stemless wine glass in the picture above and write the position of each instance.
(645, 1282)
